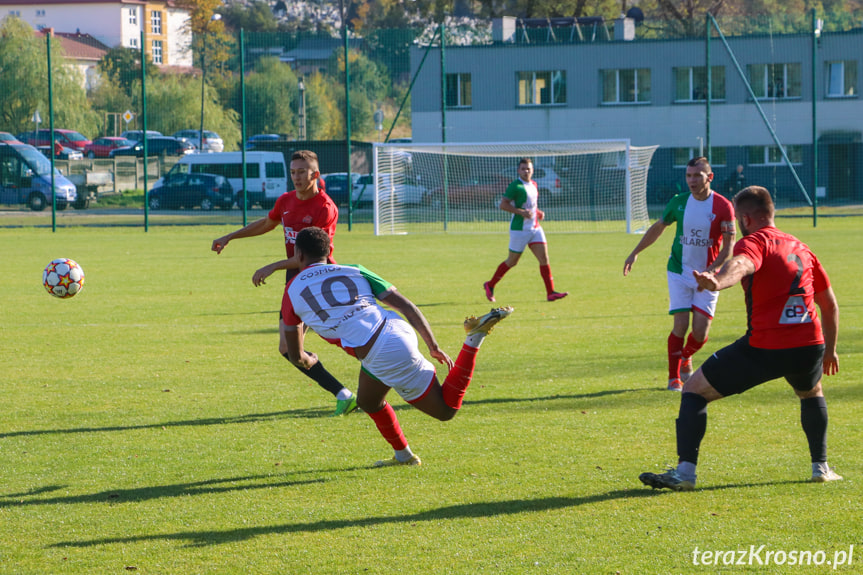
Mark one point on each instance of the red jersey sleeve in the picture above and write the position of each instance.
(820, 281)
(752, 248)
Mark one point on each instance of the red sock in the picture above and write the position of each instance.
(545, 272)
(692, 346)
(675, 349)
(389, 427)
(498, 274)
(455, 384)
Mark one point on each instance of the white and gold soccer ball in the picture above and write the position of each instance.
(63, 278)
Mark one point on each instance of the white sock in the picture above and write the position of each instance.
(686, 470)
(404, 454)
(345, 393)
(475, 339)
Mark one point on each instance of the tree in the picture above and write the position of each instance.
(367, 76)
(122, 66)
(24, 82)
(324, 118)
(174, 103)
(271, 98)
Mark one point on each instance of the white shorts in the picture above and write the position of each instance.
(395, 360)
(683, 295)
(520, 239)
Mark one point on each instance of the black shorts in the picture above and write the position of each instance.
(739, 366)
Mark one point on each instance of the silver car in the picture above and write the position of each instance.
(212, 141)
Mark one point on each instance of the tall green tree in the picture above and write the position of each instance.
(24, 82)
(271, 98)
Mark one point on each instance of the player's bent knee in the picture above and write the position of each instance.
(816, 391)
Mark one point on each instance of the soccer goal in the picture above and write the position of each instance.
(584, 186)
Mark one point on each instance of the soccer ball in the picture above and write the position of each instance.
(63, 278)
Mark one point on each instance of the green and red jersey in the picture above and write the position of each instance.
(700, 225)
(524, 196)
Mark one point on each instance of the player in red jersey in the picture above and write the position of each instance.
(782, 281)
(301, 208)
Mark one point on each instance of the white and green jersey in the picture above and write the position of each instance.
(700, 225)
(338, 302)
(523, 195)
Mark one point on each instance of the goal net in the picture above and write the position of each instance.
(584, 186)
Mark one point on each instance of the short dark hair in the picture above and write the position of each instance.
(699, 160)
(309, 156)
(755, 201)
(314, 243)
(525, 161)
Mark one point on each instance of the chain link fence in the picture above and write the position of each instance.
(261, 96)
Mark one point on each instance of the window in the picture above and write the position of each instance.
(690, 84)
(541, 88)
(625, 86)
(133, 15)
(133, 42)
(841, 79)
(681, 156)
(775, 80)
(157, 51)
(276, 170)
(772, 155)
(458, 93)
(156, 21)
(40, 13)
(16, 13)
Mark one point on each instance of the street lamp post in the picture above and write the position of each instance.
(301, 135)
(213, 18)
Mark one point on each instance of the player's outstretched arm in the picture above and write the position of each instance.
(826, 301)
(259, 277)
(732, 272)
(257, 228)
(650, 236)
(414, 316)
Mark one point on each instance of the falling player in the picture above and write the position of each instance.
(339, 303)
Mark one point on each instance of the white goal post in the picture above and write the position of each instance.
(584, 186)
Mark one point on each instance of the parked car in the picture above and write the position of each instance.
(25, 178)
(408, 192)
(63, 154)
(258, 138)
(189, 190)
(101, 147)
(163, 146)
(481, 189)
(212, 141)
(138, 135)
(67, 138)
(7, 138)
(336, 186)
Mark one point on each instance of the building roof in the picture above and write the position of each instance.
(76, 45)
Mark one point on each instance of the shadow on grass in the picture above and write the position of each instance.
(138, 494)
(462, 511)
(306, 413)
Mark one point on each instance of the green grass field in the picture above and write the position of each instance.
(150, 425)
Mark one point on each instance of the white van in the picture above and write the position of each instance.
(266, 173)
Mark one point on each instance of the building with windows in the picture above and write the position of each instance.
(83, 52)
(654, 92)
(114, 23)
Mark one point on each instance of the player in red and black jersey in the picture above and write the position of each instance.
(783, 281)
(304, 207)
